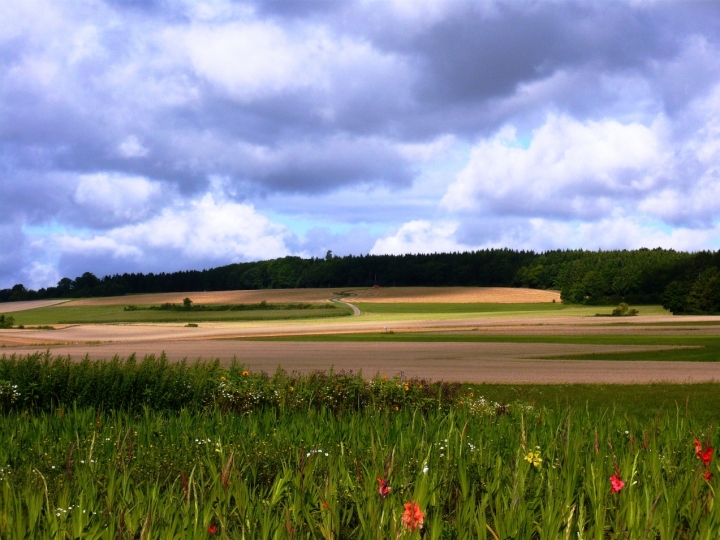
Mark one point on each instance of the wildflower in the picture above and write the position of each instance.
(384, 489)
(616, 483)
(704, 455)
(223, 378)
(413, 517)
(707, 475)
(534, 458)
(246, 373)
(292, 389)
(213, 529)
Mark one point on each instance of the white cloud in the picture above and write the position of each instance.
(123, 197)
(569, 168)
(131, 147)
(257, 59)
(209, 228)
(620, 232)
(420, 236)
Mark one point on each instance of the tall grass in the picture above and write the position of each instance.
(81, 473)
(249, 455)
(43, 382)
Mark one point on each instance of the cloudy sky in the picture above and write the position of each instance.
(151, 135)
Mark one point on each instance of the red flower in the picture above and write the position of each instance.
(213, 529)
(413, 517)
(384, 489)
(707, 475)
(616, 483)
(704, 455)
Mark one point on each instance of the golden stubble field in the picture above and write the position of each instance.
(472, 362)
(456, 295)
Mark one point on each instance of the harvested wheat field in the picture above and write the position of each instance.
(459, 295)
(14, 307)
(455, 295)
(279, 296)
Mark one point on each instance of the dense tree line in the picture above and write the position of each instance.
(682, 282)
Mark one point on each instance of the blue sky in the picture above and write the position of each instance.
(163, 135)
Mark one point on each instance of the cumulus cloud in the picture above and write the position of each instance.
(420, 236)
(569, 168)
(206, 230)
(116, 197)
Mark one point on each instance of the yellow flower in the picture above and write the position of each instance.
(407, 388)
(246, 373)
(534, 458)
(292, 389)
(223, 379)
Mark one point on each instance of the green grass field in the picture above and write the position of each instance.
(377, 312)
(114, 314)
(148, 449)
(405, 308)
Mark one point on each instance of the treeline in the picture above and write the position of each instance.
(682, 282)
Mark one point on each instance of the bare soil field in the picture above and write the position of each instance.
(463, 362)
(455, 295)
(214, 297)
(512, 363)
(472, 362)
(460, 295)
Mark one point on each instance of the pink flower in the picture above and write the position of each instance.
(384, 489)
(413, 517)
(616, 483)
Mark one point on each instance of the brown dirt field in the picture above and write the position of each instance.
(471, 362)
(12, 307)
(460, 295)
(455, 295)
(214, 297)
(464, 362)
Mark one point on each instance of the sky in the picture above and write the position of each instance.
(164, 135)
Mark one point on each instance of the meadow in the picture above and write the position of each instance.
(91, 314)
(333, 455)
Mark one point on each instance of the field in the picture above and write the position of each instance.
(71, 313)
(542, 404)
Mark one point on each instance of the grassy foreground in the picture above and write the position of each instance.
(147, 449)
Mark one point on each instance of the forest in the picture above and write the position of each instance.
(684, 283)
